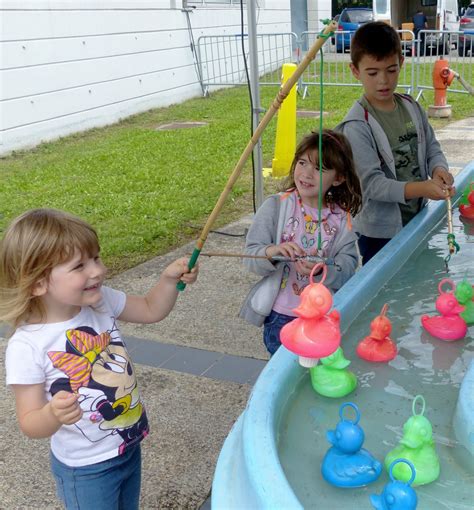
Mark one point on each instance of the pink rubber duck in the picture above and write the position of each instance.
(449, 325)
(315, 333)
(378, 346)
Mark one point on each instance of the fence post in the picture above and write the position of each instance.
(255, 92)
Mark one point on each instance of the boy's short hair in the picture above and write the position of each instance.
(377, 39)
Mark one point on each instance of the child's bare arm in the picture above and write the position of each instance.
(160, 300)
(39, 418)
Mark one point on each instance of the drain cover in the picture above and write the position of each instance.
(180, 125)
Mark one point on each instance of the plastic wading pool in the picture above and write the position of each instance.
(272, 456)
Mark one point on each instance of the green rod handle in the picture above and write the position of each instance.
(192, 262)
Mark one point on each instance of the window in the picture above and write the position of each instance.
(360, 16)
(382, 7)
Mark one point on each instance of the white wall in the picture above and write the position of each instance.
(318, 10)
(70, 65)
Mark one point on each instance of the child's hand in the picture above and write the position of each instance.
(290, 250)
(432, 189)
(436, 190)
(66, 408)
(442, 176)
(179, 270)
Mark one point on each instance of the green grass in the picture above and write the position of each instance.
(147, 191)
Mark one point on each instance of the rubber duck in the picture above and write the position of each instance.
(449, 325)
(397, 495)
(417, 446)
(378, 346)
(315, 333)
(466, 204)
(346, 463)
(465, 295)
(330, 378)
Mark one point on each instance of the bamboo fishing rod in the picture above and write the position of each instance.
(282, 94)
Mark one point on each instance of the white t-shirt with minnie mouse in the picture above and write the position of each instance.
(87, 356)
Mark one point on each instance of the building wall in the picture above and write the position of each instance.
(318, 10)
(70, 65)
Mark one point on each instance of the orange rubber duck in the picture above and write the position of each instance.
(449, 325)
(315, 333)
(378, 346)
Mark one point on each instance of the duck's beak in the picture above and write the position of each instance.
(411, 439)
(331, 436)
(458, 309)
(377, 502)
(342, 363)
(307, 311)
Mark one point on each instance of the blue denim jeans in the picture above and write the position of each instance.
(370, 246)
(271, 330)
(113, 484)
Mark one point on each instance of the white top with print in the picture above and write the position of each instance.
(87, 356)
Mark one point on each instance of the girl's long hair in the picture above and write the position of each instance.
(337, 155)
(32, 246)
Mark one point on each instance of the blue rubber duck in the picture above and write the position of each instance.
(346, 463)
(397, 495)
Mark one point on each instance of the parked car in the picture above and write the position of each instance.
(349, 21)
(466, 27)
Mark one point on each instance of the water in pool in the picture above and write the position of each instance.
(424, 365)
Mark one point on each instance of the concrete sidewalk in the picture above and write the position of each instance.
(196, 370)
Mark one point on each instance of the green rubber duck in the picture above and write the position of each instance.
(464, 293)
(465, 193)
(330, 378)
(417, 446)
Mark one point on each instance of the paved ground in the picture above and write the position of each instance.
(196, 370)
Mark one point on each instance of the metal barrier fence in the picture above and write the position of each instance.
(337, 60)
(221, 63)
(431, 45)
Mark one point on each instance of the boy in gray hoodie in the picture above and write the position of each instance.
(398, 159)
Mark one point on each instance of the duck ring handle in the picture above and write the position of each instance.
(406, 461)
(356, 409)
(446, 281)
(317, 267)
(423, 404)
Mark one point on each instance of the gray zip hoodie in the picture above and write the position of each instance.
(380, 216)
(266, 229)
